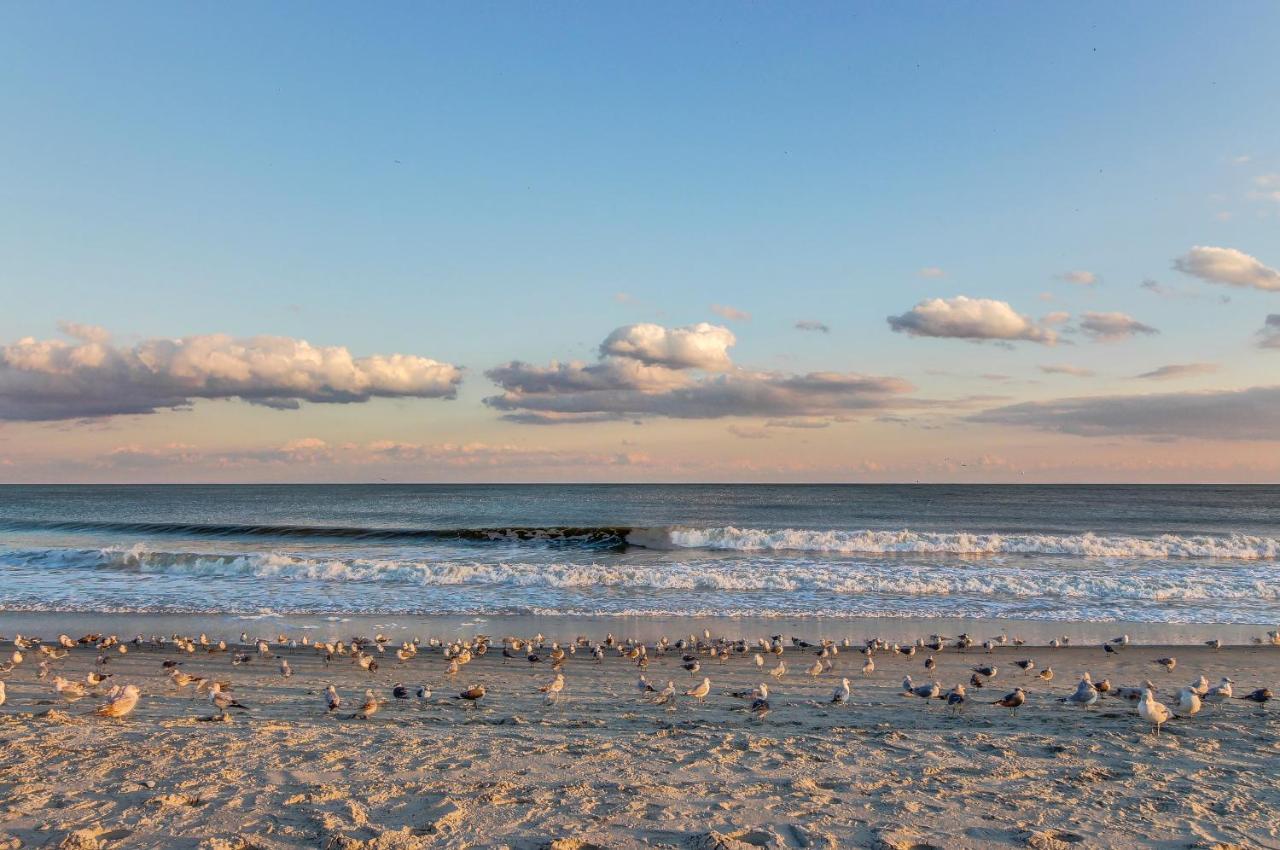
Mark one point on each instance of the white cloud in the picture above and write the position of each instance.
(733, 314)
(1079, 278)
(931, 271)
(970, 318)
(1179, 370)
(53, 379)
(700, 346)
(810, 325)
(1227, 266)
(1109, 327)
(1248, 414)
(647, 370)
(1066, 369)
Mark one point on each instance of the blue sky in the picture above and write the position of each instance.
(479, 183)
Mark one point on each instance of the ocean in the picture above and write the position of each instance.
(1139, 554)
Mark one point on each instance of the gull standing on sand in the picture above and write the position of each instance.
(956, 698)
(667, 697)
(1188, 703)
(1046, 674)
(1012, 700)
(1153, 712)
(553, 689)
(841, 695)
(368, 708)
(332, 701)
(1167, 663)
(1085, 693)
(119, 702)
(223, 701)
(779, 671)
(868, 667)
(1026, 665)
(700, 692)
(1220, 691)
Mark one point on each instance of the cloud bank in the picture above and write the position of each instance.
(970, 318)
(1179, 370)
(679, 373)
(90, 377)
(1110, 327)
(1249, 414)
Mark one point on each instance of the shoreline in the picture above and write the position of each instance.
(327, 626)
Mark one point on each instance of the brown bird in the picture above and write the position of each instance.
(1012, 700)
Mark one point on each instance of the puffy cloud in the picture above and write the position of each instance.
(648, 370)
(1269, 336)
(700, 346)
(1109, 327)
(1248, 414)
(733, 314)
(1227, 266)
(53, 379)
(1180, 370)
(1066, 369)
(1079, 278)
(970, 318)
(810, 325)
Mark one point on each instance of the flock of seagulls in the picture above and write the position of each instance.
(693, 652)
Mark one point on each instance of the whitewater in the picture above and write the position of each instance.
(1158, 555)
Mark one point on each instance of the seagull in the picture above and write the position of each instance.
(70, 691)
(700, 692)
(1261, 696)
(667, 696)
(779, 671)
(1153, 712)
(332, 701)
(987, 670)
(1188, 702)
(222, 701)
(1123, 640)
(368, 708)
(473, 694)
(760, 708)
(868, 667)
(841, 694)
(693, 667)
(553, 689)
(929, 691)
(1085, 693)
(119, 703)
(285, 670)
(399, 691)
(423, 693)
(1220, 691)
(929, 664)
(1167, 663)
(1012, 700)
(1200, 687)
(1026, 666)
(1213, 644)
(956, 698)
(1046, 674)
(815, 670)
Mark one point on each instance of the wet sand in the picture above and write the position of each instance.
(603, 767)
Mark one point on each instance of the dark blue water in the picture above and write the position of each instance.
(1150, 554)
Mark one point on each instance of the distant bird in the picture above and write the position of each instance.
(759, 708)
(332, 701)
(1123, 640)
(929, 691)
(1167, 663)
(779, 671)
(692, 666)
(667, 696)
(815, 670)
(553, 688)
(1046, 674)
(929, 664)
(473, 694)
(1155, 713)
(841, 694)
(1200, 686)
(1026, 665)
(1109, 649)
(986, 670)
(399, 691)
(423, 693)
(1012, 700)
(1213, 644)
(868, 667)
(285, 670)
(956, 698)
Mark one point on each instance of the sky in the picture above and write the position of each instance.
(593, 242)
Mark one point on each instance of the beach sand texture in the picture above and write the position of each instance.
(602, 767)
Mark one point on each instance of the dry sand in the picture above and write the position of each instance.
(603, 768)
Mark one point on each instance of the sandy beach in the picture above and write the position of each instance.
(603, 767)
